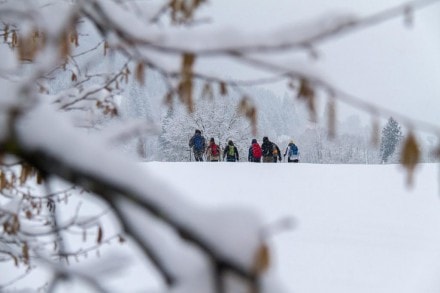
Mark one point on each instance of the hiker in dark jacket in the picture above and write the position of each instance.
(254, 152)
(213, 151)
(267, 149)
(197, 143)
(276, 153)
(231, 152)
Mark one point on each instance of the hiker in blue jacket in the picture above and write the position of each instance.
(198, 144)
(231, 152)
(292, 152)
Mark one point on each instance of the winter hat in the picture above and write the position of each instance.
(265, 138)
(198, 131)
(254, 141)
(230, 142)
(212, 139)
(291, 142)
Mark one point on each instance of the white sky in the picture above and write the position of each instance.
(388, 64)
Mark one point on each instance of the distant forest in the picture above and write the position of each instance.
(281, 118)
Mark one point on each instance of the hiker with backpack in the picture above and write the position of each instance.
(255, 152)
(267, 149)
(197, 143)
(213, 151)
(292, 152)
(231, 152)
(276, 153)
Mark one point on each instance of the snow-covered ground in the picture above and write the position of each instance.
(357, 228)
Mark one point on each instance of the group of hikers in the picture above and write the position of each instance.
(268, 152)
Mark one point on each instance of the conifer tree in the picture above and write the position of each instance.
(391, 136)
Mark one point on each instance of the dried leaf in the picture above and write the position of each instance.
(25, 252)
(3, 181)
(25, 171)
(223, 89)
(106, 47)
(14, 41)
(64, 46)
(140, 73)
(40, 178)
(249, 110)
(74, 38)
(307, 93)
(15, 227)
(73, 77)
(27, 47)
(262, 259)
(15, 260)
(100, 234)
(6, 33)
(410, 156)
(186, 82)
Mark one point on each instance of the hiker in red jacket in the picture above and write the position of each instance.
(255, 152)
(213, 151)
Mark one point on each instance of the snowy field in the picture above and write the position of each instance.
(357, 228)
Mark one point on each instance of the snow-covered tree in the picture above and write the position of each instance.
(219, 118)
(391, 137)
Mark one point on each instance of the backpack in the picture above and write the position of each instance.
(198, 142)
(267, 149)
(293, 151)
(214, 150)
(231, 151)
(274, 150)
(256, 151)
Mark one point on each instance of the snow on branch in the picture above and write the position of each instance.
(112, 178)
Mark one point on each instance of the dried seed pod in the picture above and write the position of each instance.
(140, 73)
(25, 252)
(223, 89)
(307, 93)
(100, 235)
(186, 82)
(410, 156)
(6, 33)
(106, 47)
(262, 259)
